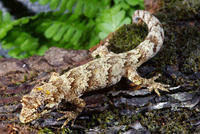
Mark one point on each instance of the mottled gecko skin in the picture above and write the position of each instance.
(99, 73)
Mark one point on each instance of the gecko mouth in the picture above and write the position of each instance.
(25, 118)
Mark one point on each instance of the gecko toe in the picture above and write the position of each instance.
(70, 115)
(157, 92)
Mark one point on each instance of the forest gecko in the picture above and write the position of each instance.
(96, 74)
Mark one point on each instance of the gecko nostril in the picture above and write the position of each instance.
(40, 108)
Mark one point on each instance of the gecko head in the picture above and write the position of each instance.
(38, 102)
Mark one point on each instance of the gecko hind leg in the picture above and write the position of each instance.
(149, 83)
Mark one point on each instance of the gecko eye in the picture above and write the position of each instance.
(98, 56)
(40, 108)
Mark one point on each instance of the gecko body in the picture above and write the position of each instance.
(99, 73)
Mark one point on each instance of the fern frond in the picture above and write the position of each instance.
(6, 24)
(54, 4)
(42, 2)
(81, 7)
(20, 42)
(85, 23)
(110, 20)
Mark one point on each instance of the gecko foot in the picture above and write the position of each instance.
(152, 85)
(70, 115)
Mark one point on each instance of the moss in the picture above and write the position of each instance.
(180, 48)
(57, 131)
(181, 45)
(164, 121)
(127, 37)
(179, 10)
(25, 78)
(156, 121)
(68, 131)
(105, 119)
(192, 62)
(169, 121)
(17, 83)
(45, 131)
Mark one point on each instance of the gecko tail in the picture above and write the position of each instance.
(154, 40)
(135, 19)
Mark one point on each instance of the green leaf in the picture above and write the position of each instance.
(93, 41)
(87, 10)
(60, 33)
(70, 5)
(68, 46)
(54, 4)
(42, 27)
(14, 52)
(52, 30)
(43, 2)
(117, 18)
(25, 46)
(4, 28)
(104, 17)
(33, 1)
(142, 6)
(141, 1)
(115, 9)
(106, 27)
(12, 35)
(68, 35)
(29, 44)
(3, 32)
(103, 35)
(125, 21)
(8, 45)
(117, 1)
(76, 37)
(1, 16)
(24, 20)
(42, 50)
(21, 21)
(63, 6)
(73, 18)
(130, 12)
(105, 2)
(21, 38)
(32, 52)
(90, 10)
(125, 5)
(79, 7)
(7, 17)
(133, 2)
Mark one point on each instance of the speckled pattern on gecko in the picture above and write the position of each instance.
(99, 73)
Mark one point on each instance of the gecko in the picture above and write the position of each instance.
(97, 74)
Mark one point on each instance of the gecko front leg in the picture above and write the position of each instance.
(149, 83)
(102, 51)
(71, 115)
